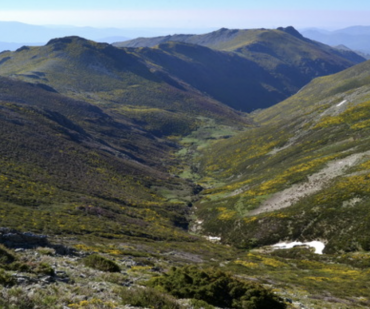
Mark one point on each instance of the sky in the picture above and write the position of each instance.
(190, 14)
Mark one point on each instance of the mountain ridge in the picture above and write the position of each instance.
(278, 73)
(284, 53)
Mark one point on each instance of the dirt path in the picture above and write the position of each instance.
(314, 184)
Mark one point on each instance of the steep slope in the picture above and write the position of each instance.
(68, 167)
(115, 78)
(225, 76)
(284, 54)
(302, 175)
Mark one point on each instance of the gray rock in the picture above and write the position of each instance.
(47, 280)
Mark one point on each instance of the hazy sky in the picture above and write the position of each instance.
(330, 14)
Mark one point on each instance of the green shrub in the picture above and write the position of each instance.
(101, 263)
(18, 266)
(149, 298)
(216, 288)
(6, 256)
(44, 269)
(200, 304)
(6, 279)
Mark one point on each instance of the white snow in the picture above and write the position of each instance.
(213, 238)
(341, 103)
(318, 245)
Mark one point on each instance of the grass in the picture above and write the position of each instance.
(101, 263)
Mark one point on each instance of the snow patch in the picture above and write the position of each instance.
(318, 245)
(213, 238)
(341, 103)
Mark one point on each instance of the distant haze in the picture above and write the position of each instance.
(193, 18)
(15, 34)
(356, 38)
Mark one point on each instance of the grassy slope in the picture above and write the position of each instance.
(117, 79)
(68, 167)
(327, 122)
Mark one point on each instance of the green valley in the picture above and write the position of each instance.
(132, 175)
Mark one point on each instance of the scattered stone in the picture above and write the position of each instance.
(61, 273)
(47, 279)
(21, 279)
(80, 298)
(127, 283)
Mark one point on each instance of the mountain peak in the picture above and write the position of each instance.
(292, 31)
(66, 40)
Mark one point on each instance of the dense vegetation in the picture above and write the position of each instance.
(101, 263)
(216, 288)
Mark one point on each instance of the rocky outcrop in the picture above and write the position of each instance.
(27, 240)
(14, 239)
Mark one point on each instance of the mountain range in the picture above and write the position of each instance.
(255, 69)
(356, 37)
(186, 149)
(16, 34)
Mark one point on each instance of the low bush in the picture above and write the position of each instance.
(6, 256)
(6, 279)
(101, 263)
(200, 304)
(148, 298)
(44, 269)
(216, 288)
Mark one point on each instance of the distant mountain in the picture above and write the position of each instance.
(26, 34)
(355, 30)
(225, 76)
(255, 40)
(357, 38)
(5, 46)
(109, 76)
(286, 61)
(15, 33)
(111, 39)
(255, 70)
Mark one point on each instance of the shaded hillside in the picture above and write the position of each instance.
(68, 167)
(290, 60)
(110, 77)
(225, 76)
(302, 175)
